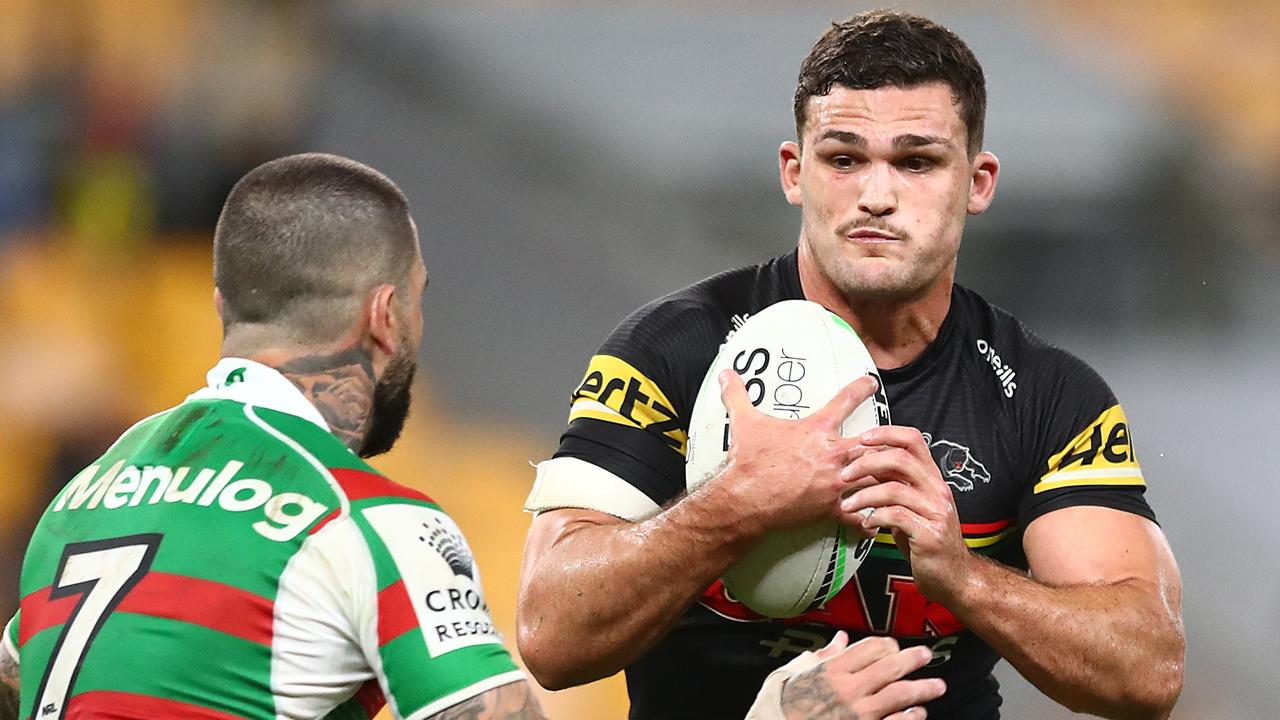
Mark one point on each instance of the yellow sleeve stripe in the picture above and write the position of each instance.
(1102, 476)
(885, 538)
(614, 391)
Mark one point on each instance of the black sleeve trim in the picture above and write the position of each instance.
(1129, 499)
(637, 456)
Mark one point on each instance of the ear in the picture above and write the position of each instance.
(383, 324)
(982, 187)
(789, 170)
(217, 303)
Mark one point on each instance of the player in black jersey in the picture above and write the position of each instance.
(1009, 509)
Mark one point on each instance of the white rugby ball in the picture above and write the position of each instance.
(794, 356)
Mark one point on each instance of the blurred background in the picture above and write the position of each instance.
(568, 160)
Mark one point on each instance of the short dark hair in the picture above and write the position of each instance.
(303, 238)
(887, 48)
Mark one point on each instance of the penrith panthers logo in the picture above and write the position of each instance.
(959, 467)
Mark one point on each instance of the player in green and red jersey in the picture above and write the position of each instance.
(341, 586)
(234, 557)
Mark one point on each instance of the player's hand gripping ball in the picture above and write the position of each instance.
(794, 356)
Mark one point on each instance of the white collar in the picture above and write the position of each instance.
(253, 383)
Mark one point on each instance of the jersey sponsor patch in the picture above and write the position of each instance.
(615, 392)
(120, 486)
(1102, 454)
(438, 574)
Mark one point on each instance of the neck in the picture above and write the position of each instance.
(895, 330)
(339, 383)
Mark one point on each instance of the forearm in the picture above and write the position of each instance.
(513, 701)
(8, 686)
(601, 595)
(1114, 650)
(8, 703)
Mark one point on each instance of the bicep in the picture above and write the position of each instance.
(569, 494)
(1090, 545)
(552, 526)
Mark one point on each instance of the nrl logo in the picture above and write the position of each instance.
(959, 467)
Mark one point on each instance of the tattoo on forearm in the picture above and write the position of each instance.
(8, 687)
(340, 385)
(810, 695)
(513, 701)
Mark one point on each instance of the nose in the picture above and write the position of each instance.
(878, 196)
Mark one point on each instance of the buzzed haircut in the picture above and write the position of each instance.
(887, 48)
(303, 239)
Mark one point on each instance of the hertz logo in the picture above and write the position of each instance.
(616, 392)
(1100, 455)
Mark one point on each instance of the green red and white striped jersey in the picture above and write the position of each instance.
(230, 558)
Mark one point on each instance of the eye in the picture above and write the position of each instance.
(917, 163)
(843, 162)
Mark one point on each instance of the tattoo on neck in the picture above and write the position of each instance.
(811, 695)
(340, 385)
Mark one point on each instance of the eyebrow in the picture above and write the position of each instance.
(907, 142)
(902, 142)
(844, 136)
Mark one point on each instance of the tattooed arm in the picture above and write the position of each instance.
(862, 681)
(513, 701)
(8, 685)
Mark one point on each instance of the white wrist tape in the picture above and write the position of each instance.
(768, 704)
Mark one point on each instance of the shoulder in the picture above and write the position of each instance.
(352, 477)
(1022, 364)
(701, 312)
(329, 464)
(670, 341)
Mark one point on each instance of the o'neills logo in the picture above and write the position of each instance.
(287, 514)
(1004, 373)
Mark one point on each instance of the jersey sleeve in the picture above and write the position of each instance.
(10, 634)
(624, 449)
(10, 638)
(1083, 451)
(427, 631)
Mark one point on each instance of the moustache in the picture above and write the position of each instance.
(872, 223)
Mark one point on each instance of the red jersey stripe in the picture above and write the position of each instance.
(40, 613)
(323, 521)
(358, 485)
(395, 613)
(176, 597)
(984, 528)
(370, 698)
(112, 705)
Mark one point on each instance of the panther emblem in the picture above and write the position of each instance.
(958, 465)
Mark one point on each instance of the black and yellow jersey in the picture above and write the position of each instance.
(1018, 427)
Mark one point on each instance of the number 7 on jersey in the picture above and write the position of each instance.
(102, 572)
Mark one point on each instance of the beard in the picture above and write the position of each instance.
(391, 395)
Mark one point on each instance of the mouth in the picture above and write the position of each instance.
(872, 237)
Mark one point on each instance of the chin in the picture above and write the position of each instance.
(879, 283)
